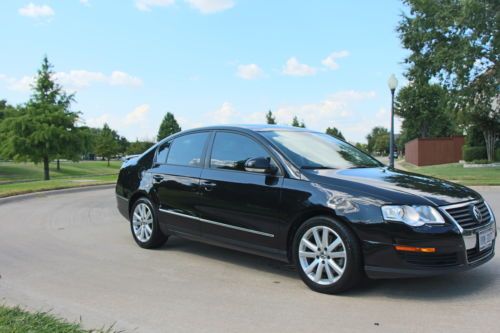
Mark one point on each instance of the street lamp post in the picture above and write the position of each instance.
(393, 84)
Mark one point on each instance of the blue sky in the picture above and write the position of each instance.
(209, 61)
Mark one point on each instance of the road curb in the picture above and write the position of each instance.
(42, 194)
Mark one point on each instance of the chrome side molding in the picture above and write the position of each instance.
(217, 223)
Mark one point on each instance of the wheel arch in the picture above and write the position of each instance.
(136, 196)
(306, 215)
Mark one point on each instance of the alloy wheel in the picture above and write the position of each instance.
(322, 255)
(142, 222)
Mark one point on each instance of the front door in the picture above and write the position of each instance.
(237, 206)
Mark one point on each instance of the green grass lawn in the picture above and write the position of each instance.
(10, 171)
(16, 320)
(455, 172)
(19, 178)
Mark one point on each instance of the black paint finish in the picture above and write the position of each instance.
(259, 213)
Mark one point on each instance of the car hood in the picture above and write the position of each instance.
(388, 183)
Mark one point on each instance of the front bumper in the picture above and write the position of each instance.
(456, 250)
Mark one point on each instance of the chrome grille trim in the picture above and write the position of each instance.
(463, 218)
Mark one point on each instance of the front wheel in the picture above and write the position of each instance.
(144, 225)
(327, 255)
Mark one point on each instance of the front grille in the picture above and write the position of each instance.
(475, 255)
(465, 217)
(430, 259)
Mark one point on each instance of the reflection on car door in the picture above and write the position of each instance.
(176, 179)
(237, 206)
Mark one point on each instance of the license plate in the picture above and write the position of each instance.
(486, 238)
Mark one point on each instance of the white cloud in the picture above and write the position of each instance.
(249, 72)
(99, 121)
(119, 78)
(22, 85)
(75, 80)
(336, 106)
(78, 79)
(294, 68)
(224, 115)
(211, 6)
(137, 116)
(32, 10)
(135, 124)
(331, 61)
(85, 2)
(146, 5)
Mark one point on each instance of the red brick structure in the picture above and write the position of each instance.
(430, 151)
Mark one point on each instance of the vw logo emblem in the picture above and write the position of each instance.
(477, 214)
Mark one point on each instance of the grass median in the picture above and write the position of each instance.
(21, 178)
(455, 172)
(16, 320)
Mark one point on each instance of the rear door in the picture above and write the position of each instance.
(238, 206)
(176, 180)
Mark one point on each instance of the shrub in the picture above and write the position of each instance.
(480, 162)
(474, 153)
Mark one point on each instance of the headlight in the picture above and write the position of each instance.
(412, 215)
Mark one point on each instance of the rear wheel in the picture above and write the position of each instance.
(327, 255)
(144, 225)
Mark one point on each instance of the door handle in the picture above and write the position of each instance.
(209, 186)
(158, 178)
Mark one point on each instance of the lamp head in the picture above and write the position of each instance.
(392, 82)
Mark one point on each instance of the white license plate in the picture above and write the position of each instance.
(486, 238)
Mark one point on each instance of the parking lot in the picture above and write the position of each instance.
(73, 254)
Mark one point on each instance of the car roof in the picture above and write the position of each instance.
(254, 128)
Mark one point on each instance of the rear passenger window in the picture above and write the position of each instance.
(161, 155)
(231, 151)
(187, 150)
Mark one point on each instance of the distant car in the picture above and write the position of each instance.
(396, 154)
(303, 197)
(129, 157)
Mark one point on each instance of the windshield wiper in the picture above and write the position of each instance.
(315, 167)
(363, 167)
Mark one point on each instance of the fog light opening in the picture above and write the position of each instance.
(415, 249)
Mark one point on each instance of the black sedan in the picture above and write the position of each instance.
(303, 197)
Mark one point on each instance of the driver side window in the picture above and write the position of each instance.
(231, 151)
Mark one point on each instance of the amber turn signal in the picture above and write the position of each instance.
(415, 249)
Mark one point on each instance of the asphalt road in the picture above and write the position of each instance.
(73, 254)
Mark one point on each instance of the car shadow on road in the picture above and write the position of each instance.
(452, 286)
(231, 256)
(438, 288)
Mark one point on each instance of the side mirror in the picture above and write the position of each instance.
(261, 165)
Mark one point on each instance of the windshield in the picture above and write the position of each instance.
(310, 150)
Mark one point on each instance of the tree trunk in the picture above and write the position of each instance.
(490, 138)
(108, 161)
(58, 165)
(46, 175)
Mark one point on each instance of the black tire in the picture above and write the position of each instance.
(157, 237)
(352, 273)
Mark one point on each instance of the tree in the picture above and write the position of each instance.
(3, 107)
(123, 145)
(333, 131)
(425, 111)
(138, 147)
(44, 128)
(362, 146)
(168, 126)
(270, 119)
(107, 144)
(378, 140)
(456, 43)
(296, 123)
